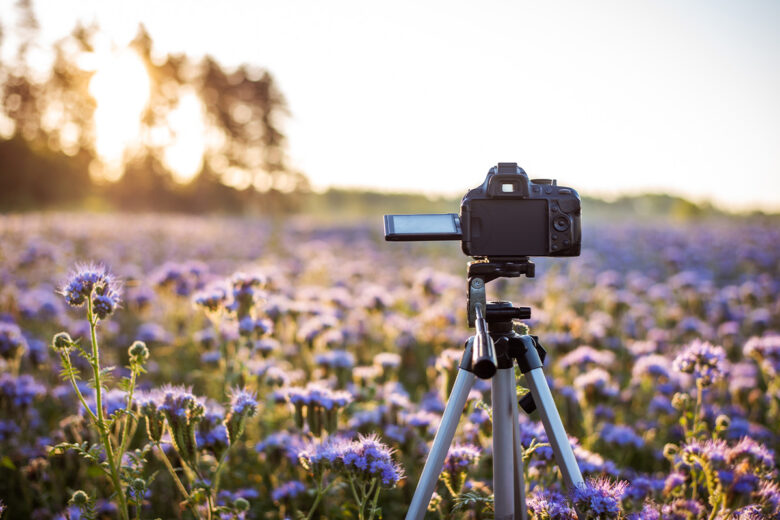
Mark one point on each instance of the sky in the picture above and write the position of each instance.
(608, 97)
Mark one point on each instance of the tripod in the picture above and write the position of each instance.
(491, 354)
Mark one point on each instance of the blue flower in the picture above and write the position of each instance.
(705, 361)
(19, 391)
(288, 490)
(602, 497)
(550, 505)
(12, 342)
(92, 281)
(620, 435)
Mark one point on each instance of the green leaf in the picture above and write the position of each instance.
(125, 384)
(7, 463)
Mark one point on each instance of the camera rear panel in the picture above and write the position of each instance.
(504, 227)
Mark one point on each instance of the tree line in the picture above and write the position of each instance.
(48, 155)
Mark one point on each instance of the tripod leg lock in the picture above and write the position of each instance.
(527, 403)
(529, 353)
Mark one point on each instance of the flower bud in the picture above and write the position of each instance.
(680, 401)
(722, 422)
(79, 498)
(61, 341)
(521, 328)
(139, 484)
(138, 352)
(670, 450)
(241, 504)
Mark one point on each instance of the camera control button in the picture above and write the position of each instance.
(542, 181)
(561, 223)
(536, 189)
(548, 189)
(566, 242)
(555, 237)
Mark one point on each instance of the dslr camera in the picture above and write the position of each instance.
(506, 218)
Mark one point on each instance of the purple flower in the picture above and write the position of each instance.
(281, 444)
(212, 299)
(288, 491)
(19, 392)
(706, 362)
(599, 497)
(92, 281)
(585, 355)
(336, 359)
(620, 435)
(594, 385)
(318, 394)
(654, 366)
(212, 434)
(369, 458)
(183, 411)
(459, 458)
(751, 512)
(760, 457)
(387, 360)
(766, 350)
(112, 401)
(769, 494)
(674, 482)
(648, 512)
(318, 457)
(243, 404)
(12, 342)
(549, 504)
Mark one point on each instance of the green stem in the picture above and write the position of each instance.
(320, 493)
(218, 472)
(698, 411)
(66, 360)
(104, 435)
(176, 479)
(376, 498)
(126, 423)
(354, 491)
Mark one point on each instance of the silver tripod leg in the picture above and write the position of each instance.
(442, 441)
(521, 512)
(553, 426)
(505, 448)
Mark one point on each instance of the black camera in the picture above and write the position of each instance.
(507, 217)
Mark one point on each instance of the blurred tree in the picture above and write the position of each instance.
(52, 114)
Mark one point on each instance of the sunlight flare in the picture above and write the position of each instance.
(121, 89)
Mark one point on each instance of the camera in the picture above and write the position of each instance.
(507, 217)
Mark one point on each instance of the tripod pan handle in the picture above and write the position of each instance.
(484, 357)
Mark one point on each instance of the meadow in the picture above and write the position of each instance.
(188, 367)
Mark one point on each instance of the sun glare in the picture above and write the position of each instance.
(121, 90)
(184, 153)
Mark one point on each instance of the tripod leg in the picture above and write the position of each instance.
(521, 512)
(503, 394)
(441, 443)
(553, 426)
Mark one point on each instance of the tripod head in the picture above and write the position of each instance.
(498, 315)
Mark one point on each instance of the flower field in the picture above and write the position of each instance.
(187, 367)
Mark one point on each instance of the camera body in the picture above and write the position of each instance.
(510, 216)
(506, 218)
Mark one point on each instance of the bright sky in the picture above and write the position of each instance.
(606, 96)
